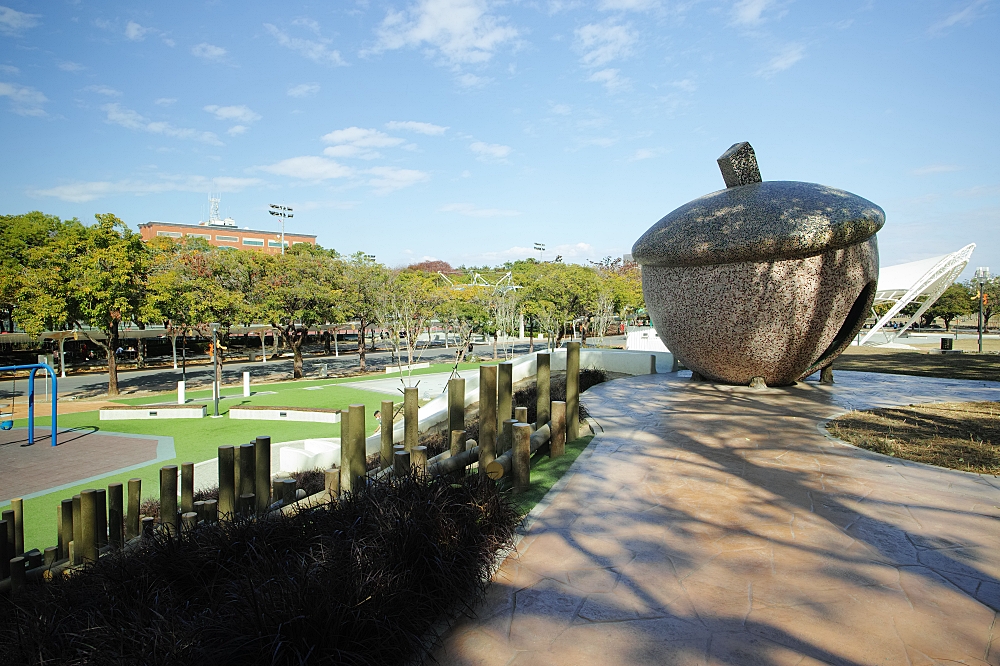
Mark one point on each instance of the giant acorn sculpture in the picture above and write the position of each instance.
(762, 281)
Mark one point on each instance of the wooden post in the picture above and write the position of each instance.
(456, 404)
(287, 491)
(17, 504)
(147, 527)
(332, 481)
(189, 520)
(8, 516)
(487, 415)
(168, 498)
(88, 522)
(521, 414)
(572, 391)
(457, 443)
(199, 509)
(211, 511)
(557, 444)
(247, 474)
(132, 519)
(227, 482)
(187, 487)
(401, 463)
(5, 550)
(411, 417)
(522, 457)
(102, 518)
(17, 565)
(50, 555)
(353, 468)
(262, 469)
(248, 504)
(65, 527)
(386, 432)
(506, 436)
(116, 514)
(418, 458)
(543, 383)
(505, 389)
(76, 555)
(237, 481)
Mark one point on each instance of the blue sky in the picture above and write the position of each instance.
(467, 130)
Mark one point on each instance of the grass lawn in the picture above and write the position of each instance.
(920, 363)
(546, 471)
(964, 436)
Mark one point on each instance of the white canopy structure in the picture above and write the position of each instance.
(920, 282)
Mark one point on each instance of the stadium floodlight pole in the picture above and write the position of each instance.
(541, 248)
(284, 212)
(982, 277)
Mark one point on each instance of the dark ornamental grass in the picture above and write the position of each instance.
(363, 580)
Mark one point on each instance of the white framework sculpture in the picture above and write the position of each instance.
(917, 281)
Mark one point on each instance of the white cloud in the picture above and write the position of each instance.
(9, 69)
(362, 138)
(134, 121)
(600, 43)
(165, 101)
(561, 109)
(347, 150)
(135, 32)
(490, 151)
(790, 55)
(104, 90)
(80, 192)
(472, 211)
(317, 51)
(237, 129)
(389, 179)
(468, 80)
(935, 168)
(460, 31)
(70, 66)
(241, 114)
(418, 127)
(610, 79)
(303, 90)
(13, 21)
(642, 154)
(169, 42)
(965, 16)
(750, 12)
(309, 167)
(628, 5)
(208, 51)
(24, 100)
(687, 85)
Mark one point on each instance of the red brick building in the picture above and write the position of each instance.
(225, 235)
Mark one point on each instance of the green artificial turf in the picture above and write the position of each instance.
(546, 471)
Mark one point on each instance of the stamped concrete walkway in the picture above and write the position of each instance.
(718, 525)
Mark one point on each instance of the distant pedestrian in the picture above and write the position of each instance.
(378, 420)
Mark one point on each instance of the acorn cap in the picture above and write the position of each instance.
(757, 221)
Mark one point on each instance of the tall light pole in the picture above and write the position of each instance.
(982, 277)
(284, 212)
(541, 248)
(215, 366)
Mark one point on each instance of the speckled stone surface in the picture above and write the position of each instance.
(762, 279)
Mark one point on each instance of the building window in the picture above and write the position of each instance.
(255, 242)
(227, 247)
(272, 243)
(205, 236)
(169, 234)
(228, 239)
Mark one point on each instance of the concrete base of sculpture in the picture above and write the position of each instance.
(779, 320)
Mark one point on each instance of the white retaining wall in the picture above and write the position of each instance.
(283, 415)
(192, 412)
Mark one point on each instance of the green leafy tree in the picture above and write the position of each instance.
(363, 283)
(957, 300)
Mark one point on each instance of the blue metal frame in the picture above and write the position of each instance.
(35, 367)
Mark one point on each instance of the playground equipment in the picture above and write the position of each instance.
(32, 368)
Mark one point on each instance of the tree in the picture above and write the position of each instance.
(957, 300)
(991, 296)
(363, 282)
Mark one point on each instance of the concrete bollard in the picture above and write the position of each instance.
(521, 414)
(132, 518)
(65, 527)
(17, 505)
(116, 514)
(247, 472)
(401, 463)
(505, 392)
(262, 470)
(102, 518)
(543, 393)
(248, 505)
(227, 481)
(189, 520)
(411, 417)
(456, 443)
(331, 481)
(506, 436)
(76, 556)
(572, 391)
(386, 432)
(181, 393)
(487, 415)
(5, 550)
(187, 487)
(418, 459)
(521, 462)
(557, 443)
(456, 404)
(246, 384)
(352, 451)
(652, 364)
(168, 498)
(88, 522)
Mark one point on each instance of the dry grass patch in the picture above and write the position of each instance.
(957, 435)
